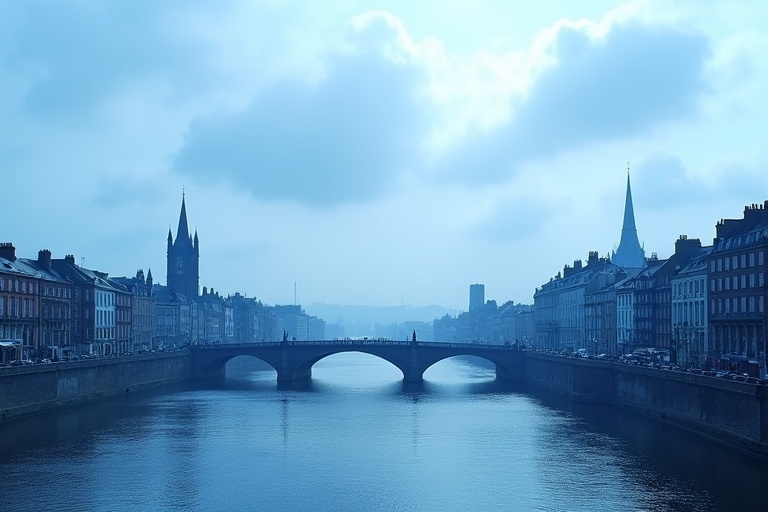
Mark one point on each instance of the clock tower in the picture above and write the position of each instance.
(183, 259)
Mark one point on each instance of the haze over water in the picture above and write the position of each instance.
(354, 439)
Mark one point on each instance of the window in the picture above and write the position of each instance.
(735, 262)
(751, 280)
(743, 305)
(751, 259)
(743, 281)
(760, 304)
(735, 282)
(727, 283)
(711, 267)
(743, 260)
(727, 263)
(711, 285)
(760, 258)
(751, 304)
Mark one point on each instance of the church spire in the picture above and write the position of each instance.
(183, 229)
(629, 254)
(629, 211)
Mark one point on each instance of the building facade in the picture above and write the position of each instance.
(19, 313)
(737, 266)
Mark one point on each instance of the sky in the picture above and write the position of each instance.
(376, 153)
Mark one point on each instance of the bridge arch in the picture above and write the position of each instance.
(503, 369)
(304, 367)
(212, 362)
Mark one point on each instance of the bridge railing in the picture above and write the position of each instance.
(361, 343)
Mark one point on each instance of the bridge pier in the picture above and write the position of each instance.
(290, 374)
(413, 376)
(513, 376)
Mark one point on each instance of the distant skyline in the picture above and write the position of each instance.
(377, 153)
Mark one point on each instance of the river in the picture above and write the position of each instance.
(356, 439)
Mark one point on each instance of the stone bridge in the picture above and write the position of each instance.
(293, 360)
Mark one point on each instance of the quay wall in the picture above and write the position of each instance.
(26, 390)
(732, 412)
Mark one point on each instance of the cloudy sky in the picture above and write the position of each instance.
(376, 153)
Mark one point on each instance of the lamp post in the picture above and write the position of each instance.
(765, 358)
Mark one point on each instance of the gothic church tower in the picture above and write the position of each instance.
(183, 259)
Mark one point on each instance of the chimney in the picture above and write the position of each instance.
(44, 257)
(69, 258)
(685, 246)
(7, 251)
(140, 276)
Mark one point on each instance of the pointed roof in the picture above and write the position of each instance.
(183, 226)
(629, 254)
(629, 211)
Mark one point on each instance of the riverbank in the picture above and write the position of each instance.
(28, 390)
(730, 412)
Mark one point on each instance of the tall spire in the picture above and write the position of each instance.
(629, 254)
(629, 211)
(183, 227)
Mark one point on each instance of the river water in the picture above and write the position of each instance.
(356, 439)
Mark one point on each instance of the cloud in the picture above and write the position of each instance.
(512, 219)
(622, 85)
(663, 181)
(75, 54)
(343, 139)
(127, 190)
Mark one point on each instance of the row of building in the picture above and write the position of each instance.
(487, 323)
(55, 308)
(704, 303)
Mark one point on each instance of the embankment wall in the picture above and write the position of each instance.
(729, 411)
(26, 390)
